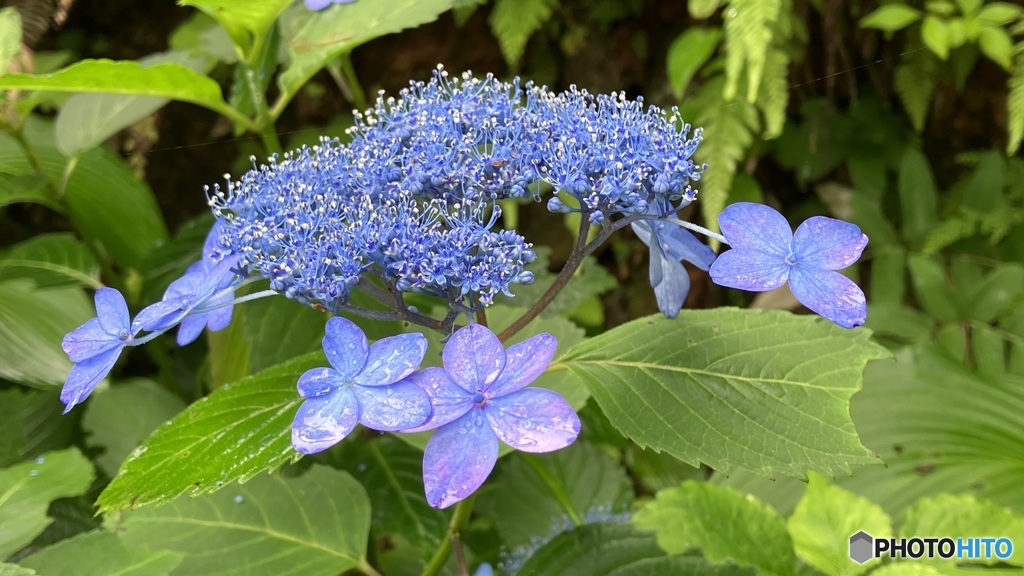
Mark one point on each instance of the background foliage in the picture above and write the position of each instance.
(903, 116)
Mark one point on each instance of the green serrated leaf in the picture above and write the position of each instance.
(317, 523)
(918, 196)
(559, 486)
(79, 556)
(996, 43)
(340, 29)
(25, 188)
(619, 549)
(168, 80)
(822, 524)
(688, 52)
(104, 199)
(392, 473)
(33, 323)
(936, 35)
(734, 389)
(514, 21)
(966, 516)
(120, 418)
(725, 524)
(10, 36)
(238, 431)
(57, 259)
(86, 120)
(27, 489)
(891, 17)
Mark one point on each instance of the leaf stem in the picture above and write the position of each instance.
(459, 521)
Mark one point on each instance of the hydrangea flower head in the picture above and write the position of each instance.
(95, 346)
(479, 397)
(363, 385)
(766, 254)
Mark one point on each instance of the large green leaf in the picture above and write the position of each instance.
(14, 569)
(106, 202)
(581, 478)
(25, 188)
(167, 80)
(822, 524)
(121, 417)
(27, 489)
(392, 473)
(723, 523)
(52, 260)
(965, 516)
(279, 329)
(241, 19)
(86, 120)
(321, 37)
(238, 431)
(33, 323)
(316, 524)
(30, 424)
(619, 549)
(101, 553)
(761, 390)
(688, 52)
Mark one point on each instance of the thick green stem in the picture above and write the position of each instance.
(459, 521)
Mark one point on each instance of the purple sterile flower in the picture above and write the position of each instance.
(95, 346)
(363, 386)
(670, 245)
(480, 397)
(321, 4)
(201, 286)
(766, 253)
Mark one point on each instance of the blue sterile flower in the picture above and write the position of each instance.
(766, 253)
(365, 386)
(201, 286)
(479, 397)
(670, 245)
(220, 317)
(95, 346)
(321, 4)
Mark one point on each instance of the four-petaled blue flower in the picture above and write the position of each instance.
(480, 397)
(321, 4)
(95, 346)
(670, 245)
(766, 253)
(364, 386)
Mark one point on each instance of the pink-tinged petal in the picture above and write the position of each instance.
(88, 340)
(749, 270)
(346, 347)
(750, 225)
(533, 420)
(318, 381)
(828, 243)
(447, 399)
(474, 357)
(112, 310)
(85, 376)
(190, 329)
(323, 422)
(830, 294)
(392, 408)
(458, 458)
(391, 359)
(524, 362)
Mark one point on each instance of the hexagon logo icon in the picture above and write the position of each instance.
(861, 547)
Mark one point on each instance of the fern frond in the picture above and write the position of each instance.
(514, 21)
(963, 225)
(773, 95)
(914, 80)
(748, 36)
(1015, 102)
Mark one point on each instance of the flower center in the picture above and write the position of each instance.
(122, 335)
(479, 398)
(792, 260)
